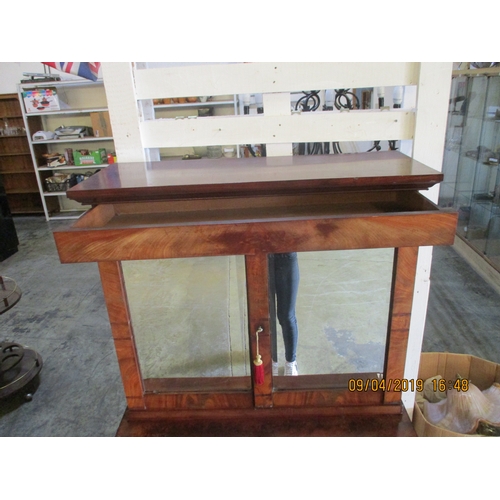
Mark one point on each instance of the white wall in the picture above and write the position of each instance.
(11, 73)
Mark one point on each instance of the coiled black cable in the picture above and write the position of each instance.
(344, 99)
(310, 101)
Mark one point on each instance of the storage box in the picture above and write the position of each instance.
(39, 100)
(480, 372)
(85, 157)
(101, 124)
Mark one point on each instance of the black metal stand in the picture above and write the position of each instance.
(19, 366)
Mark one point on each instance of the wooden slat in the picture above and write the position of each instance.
(198, 401)
(224, 177)
(321, 398)
(325, 126)
(334, 233)
(121, 329)
(258, 317)
(405, 263)
(241, 78)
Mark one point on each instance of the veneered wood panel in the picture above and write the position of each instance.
(405, 264)
(323, 397)
(258, 318)
(121, 329)
(382, 231)
(199, 401)
(228, 177)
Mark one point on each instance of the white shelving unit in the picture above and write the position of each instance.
(75, 97)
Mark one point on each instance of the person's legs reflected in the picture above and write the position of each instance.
(284, 275)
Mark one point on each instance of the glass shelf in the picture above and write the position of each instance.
(471, 169)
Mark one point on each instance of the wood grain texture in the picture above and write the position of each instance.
(121, 328)
(178, 179)
(269, 236)
(405, 265)
(196, 401)
(326, 397)
(256, 267)
(367, 421)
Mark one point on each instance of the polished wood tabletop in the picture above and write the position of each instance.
(224, 177)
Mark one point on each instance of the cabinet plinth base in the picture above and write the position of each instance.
(267, 423)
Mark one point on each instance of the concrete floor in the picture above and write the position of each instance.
(62, 316)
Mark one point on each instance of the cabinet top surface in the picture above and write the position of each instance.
(223, 177)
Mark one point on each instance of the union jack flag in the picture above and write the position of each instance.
(87, 70)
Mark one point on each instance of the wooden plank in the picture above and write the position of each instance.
(335, 233)
(325, 126)
(123, 111)
(277, 104)
(433, 91)
(96, 217)
(119, 316)
(198, 401)
(256, 267)
(226, 177)
(335, 422)
(405, 262)
(263, 77)
(197, 384)
(316, 398)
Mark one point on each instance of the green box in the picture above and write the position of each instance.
(98, 157)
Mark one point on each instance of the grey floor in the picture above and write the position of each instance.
(62, 316)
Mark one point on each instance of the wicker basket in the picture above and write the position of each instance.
(60, 183)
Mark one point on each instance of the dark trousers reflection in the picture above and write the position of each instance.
(283, 288)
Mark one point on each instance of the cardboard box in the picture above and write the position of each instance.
(98, 157)
(39, 100)
(479, 372)
(101, 124)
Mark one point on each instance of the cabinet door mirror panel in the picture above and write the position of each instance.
(342, 311)
(189, 316)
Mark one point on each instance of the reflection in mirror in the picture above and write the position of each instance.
(189, 316)
(342, 311)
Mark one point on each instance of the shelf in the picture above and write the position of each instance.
(21, 191)
(62, 83)
(476, 181)
(207, 104)
(74, 214)
(15, 172)
(17, 166)
(72, 111)
(27, 153)
(85, 139)
(78, 99)
(71, 167)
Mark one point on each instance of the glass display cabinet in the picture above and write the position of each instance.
(183, 352)
(471, 163)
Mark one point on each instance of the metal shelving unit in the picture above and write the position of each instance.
(74, 98)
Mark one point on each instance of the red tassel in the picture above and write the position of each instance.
(258, 370)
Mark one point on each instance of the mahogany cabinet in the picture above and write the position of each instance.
(254, 207)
